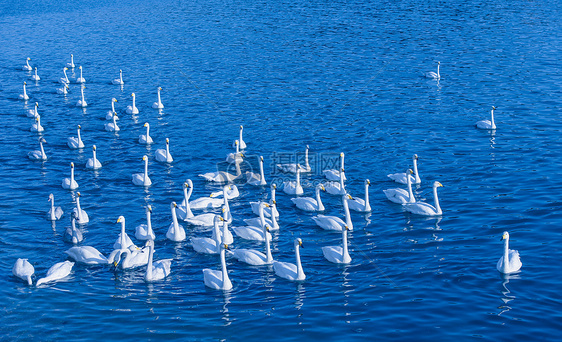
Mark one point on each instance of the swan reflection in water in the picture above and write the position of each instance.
(227, 320)
(300, 295)
(506, 294)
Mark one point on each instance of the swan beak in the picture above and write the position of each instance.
(150, 208)
(226, 247)
(301, 244)
(115, 264)
(347, 228)
(266, 205)
(439, 184)
(175, 205)
(323, 188)
(78, 194)
(274, 202)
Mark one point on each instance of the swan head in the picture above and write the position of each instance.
(133, 94)
(36, 104)
(94, 147)
(241, 127)
(51, 197)
(437, 185)
(167, 141)
(146, 124)
(347, 197)
(42, 140)
(307, 147)
(415, 157)
(114, 99)
(438, 63)
(493, 108)
(149, 208)
(35, 68)
(120, 70)
(218, 218)
(225, 246)
(189, 182)
(65, 68)
(273, 186)
(144, 158)
(37, 119)
(24, 83)
(346, 227)
(173, 205)
(236, 142)
(79, 127)
(298, 242)
(72, 167)
(367, 182)
(80, 67)
(120, 219)
(261, 159)
(159, 88)
(28, 58)
(185, 185)
(505, 236)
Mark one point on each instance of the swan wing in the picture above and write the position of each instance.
(333, 254)
(305, 203)
(329, 222)
(421, 208)
(212, 278)
(285, 270)
(250, 256)
(396, 195)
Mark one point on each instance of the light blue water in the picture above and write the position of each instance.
(338, 76)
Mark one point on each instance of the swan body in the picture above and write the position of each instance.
(40, 154)
(288, 270)
(111, 112)
(241, 142)
(401, 177)
(36, 127)
(35, 77)
(206, 203)
(87, 255)
(144, 231)
(222, 176)
(112, 126)
(24, 96)
(54, 213)
(309, 203)
(163, 155)
(80, 79)
(33, 113)
(75, 142)
(359, 204)
(205, 220)
(422, 208)
(229, 191)
(256, 179)
(70, 183)
(175, 232)
(27, 67)
(71, 64)
(93, 163)
(127, 258)
(119, 81)
(434, 75)
(156, 270)
(236, 157)
(146, 138)
(337, 254)
(334, 222)
(57, 272)
(399, 195)
(261, 221)
(333, 174)
(142, 179)
(218, 280)
(293, 167)
(336, 188)
(80, 214)
(82, 102)
(268, 210)
(64, 80)
(224, 235)
(23, 270)
(509, 262)
(208, 245)
(254, 257)
(63, 90)
(72, 233)
(487, 124)
(123, 240)
(255, 233)
(133, 108)
(158, 104)
(294, 187)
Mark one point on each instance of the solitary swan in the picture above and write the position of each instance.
(163, 155)
(401, 177)
(24, 96)
(293, 167)
(75, 142)
(119, 81)
(64, 80)
(241, 143)
(35, 77)
(80, 79)
(57, 272)
(70, 183)
(156, 270)
(80, 214)
(337, 254)
(487, 124)
(336, 188)
(36, 127)
(334, 222)
(144, 231)
(359, 204)
(111, 112)
(131, 257)
(132, 109)
(333, 174)
(175, 231)
(309, 203)
(236, 157)
(142, 179)
(509, 262)
(82, 102)
(291, 271)
(93, 163)
(123, 240)
(268, 210)
(207, 245)
(399, 195)
(222, 176)
(71, 64)
(112, 126)
(38, 155)
(434, 75)
(158, 104)
(27, 67)
(294, 187)
(33, 113)
(255, 233)
(54, 213)
(146, 138)
(254, 257)
(72, 234)
(218, 280)
(256, 179)
(205, 202)
(23, 270)
(63, 90)
(422, 208)
(87, 255)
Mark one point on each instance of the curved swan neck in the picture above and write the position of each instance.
(319, 199)
(300, 272)
(113, 106)
(216, 232)
(415, 161)
(186, 197)
(348, 221)
(437, 206)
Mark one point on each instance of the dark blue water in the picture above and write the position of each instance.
(338, 76)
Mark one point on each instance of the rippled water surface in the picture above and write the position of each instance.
(340, 76)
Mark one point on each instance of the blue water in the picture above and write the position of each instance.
(340, 76)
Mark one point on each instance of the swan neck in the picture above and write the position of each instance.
(175, 221)
(298, 177)
(238, 171)
(159, 101)
(367, 204)
(348, 221)
(438, 75)
(78, 208)
(146, 170)
(94, 153)
(493, 123)
(24, 91)
(274, 217)
(133, 101)
(505, 253)
(410, 192)
(262, 174)
(262, 218)
(319, 200)
(147, 131)
(306, 159)
(300, 272)
(149, 265)
(437, 206)
(43, 155)
(74, 231)
(418, 180)
(113, 106)
(344, 245)
(268, 256)
(225, 279)
(148, 224)
(216, 233)
(123, 241)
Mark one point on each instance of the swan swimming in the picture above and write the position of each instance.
(487, 124)
(112, 126)
(93, 163)
(205, 202)
(218, 280)
(35, 77)
(24, 96)
(144, 231)
(294, 187)
(222, 176)
(434, 75)
(509, 262)
(87, 255)
(336, 188)
(156, 270)
(309, 203)
(163, 155)
(63, 90)
(359, 204)
(82, 102)
(34, 113)
(235, 157)
(254, 257)
(64, 80)
(333, 174)
(399, 195)
(288, 270)
(27, 67)
(71, 64)
(40, 154)
(337, 254)
(334, 222)
(36, 127)
(175, 231)
(70, 183)
(80, 79)
(80, 214)
(133, 108)
(57, 272)
(54, 213)
(75, 142)
(294, 167)
(158, 104)
(72, 233)
(146, 138)
(209, 245)
(130, 258)
(256, 179)
(123, 240)
(268, 210)
(261, 221)
(255, 233)
(111, 112)
(230, 191)
(224, 235)
(142, 179)
(241, 142)
(119, 81)
(422, 208)
(401, 177)
(23, 270)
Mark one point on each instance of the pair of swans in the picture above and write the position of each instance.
(255, 257)
(156, 270)
(426, 209)
(112, 126)
(294, 167)
(337, 188)
(399, 195)
(36, 127)
(509, 262)
(206, 220)
(309, 203)
(70, 183)
(289, 271)
(142, 179)
(24, 96)
(218, 279)
(146, 138)
(338, 254)
(210, 245)
(487, 124)
(93, 163)
(110, 113)
(58, 271)
(158, 104)
(133, 108)
(38, 154)
(163, 155)
(256, 179)
(175, 232)
(144, 231)
(255, 231)
(71, 63)
(63, 90)
(262, 221)
(333, 174)
(236, 157)
(359, 204)
(75, 142)
(119, 81)
(402, 177)
(82, 102)
(334, 222)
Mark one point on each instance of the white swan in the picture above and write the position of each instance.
(207, 245)
(158, 104)
(24, 270)
(399, 195)
(82, 102)
(254, 257)
(336, 188)
(144, 231)
(333, 174)
(72, 233)
(205, 202)
(222, 176)
(434, 75)
(288, 270)
(123, 240)
(229, 191)
(156, 270)
(70, 183)
(204, 220)
(337, 254)
(294, 187)
(293, 167)
(64, 80)
(130, 258)
(75, 142)
(36, 127)
(80, 214)
(133, 108)
(241, 142)
(401, 177)
(509, 262)
(27, 67)
(422, 208)
(224, 235)
(63, 90)
(163, 155)
(309, 203)
(119, 81)
(111, 112)
(87, 255)
(34, 113)
(112, 126)
(359, 204)
(236, 157)
(93, 163)
(334, 222)
(142, 179)
(57, 272)
(218, 280)
(175, 231)
(24, 96)
(184, 209)
(146, 138)
(40, 154)
(256, 179)
(487, 124)
(35, 77)
(71, 64)
(268, 210)
(80, 79)
(261, 221)
(255, 233)
(54, 213)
